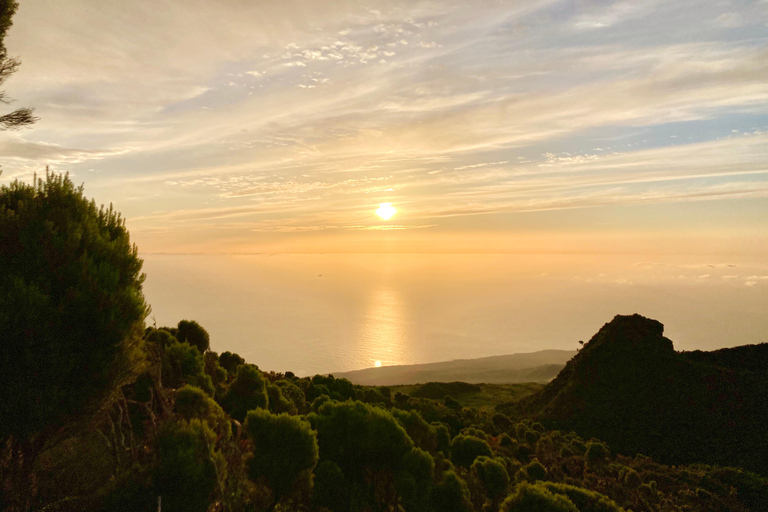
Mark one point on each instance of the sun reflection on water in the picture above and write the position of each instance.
(384, 333)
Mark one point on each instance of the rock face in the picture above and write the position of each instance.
(629, 387)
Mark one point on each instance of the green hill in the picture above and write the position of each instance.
(630, 388)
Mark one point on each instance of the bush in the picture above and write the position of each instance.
(536, 498)
(451, 495)
(534, 471)
(439, 390)
(183, 364)
(284, 451)
(71, 305)
(187, 472)
(161, 337)
(193, 403)
(247, 392)
(596, 451)
(230, 362)
(465, 449)
(493, 476)
(277, 402)
(189, 331)
(584, 499)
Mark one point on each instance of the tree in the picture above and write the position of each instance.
(284, 451)
(8, 65)
(494, 478)
(188, 471)
(451, 495)
(71, 305)
(247, 392)
(230, 362)
(536, 498)
(193, 333)
(183, 364)
(465, 449)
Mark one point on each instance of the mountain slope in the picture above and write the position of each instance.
(539, 366)
(629, 387)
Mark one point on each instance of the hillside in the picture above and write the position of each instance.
(541, 366)
(630, 388)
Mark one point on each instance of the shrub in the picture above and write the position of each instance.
(71, 305)
(247, 392)
(465, 449)
(451, 495)
(536, 498)
(193, 403)
(493, 477)
(584, 499)
(284, 450)
(187, 472)
(596, 451)
(189, 331)
(535, 471)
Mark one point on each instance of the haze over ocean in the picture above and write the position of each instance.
(320, 313)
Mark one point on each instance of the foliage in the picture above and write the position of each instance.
(277, 402)
(70, 299)
(585, 500)
(414, 481)
(189, 469)
(230, 362)
(536, 498)
(357, 436)
(161, 337)
(189, 331)
(247, 392)
(451, 495)
(628, 387)
(465, 449)
(493, 476)
(439, 390)
(8, 66)
(183, 364)
(284, 450)
(194, 403)
(330, 489)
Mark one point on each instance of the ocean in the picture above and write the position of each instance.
(325, 313)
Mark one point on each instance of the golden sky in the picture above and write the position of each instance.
(553, 126)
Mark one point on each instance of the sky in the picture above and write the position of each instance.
(491, 126)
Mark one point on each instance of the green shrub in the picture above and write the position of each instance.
(451, 494)
(285, 451)
(187, 472)
(193, 403)
(596, 451)
(536, 498)
(465, 449)
(534, 471)
(493, 476)
(247, 392)
(584, 499)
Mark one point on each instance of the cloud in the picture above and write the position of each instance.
(300, 115)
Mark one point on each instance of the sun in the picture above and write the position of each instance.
(377, 364)
(386, 211)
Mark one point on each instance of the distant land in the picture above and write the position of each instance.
(541, 366)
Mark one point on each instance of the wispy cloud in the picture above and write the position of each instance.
(299, 117)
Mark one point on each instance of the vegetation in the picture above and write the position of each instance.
(173, 425)
(628, 387)
(8, 65)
